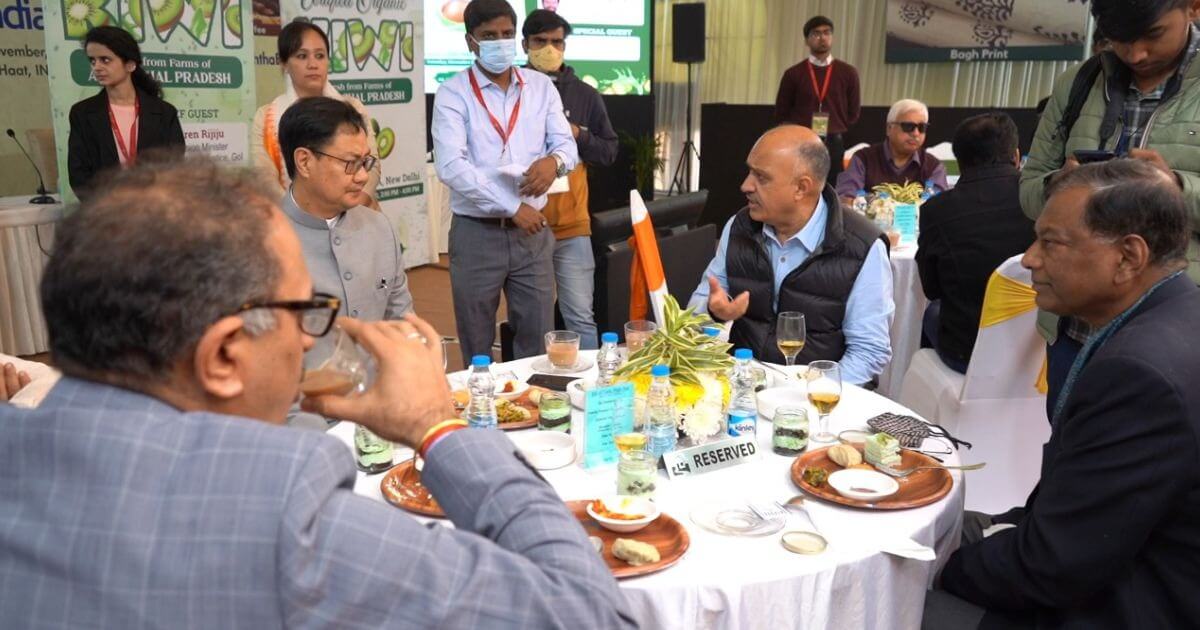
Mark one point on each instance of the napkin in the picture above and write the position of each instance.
(853, 530)
(517, 172)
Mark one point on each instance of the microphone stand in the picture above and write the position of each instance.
(42, 197)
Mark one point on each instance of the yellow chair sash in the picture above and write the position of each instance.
(1005, 299)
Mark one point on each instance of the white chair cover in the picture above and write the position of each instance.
(996, 406)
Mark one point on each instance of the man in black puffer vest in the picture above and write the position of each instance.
(792, 248)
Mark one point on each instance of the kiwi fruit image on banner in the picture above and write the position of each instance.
(233, 19)
(387, 42)
(80, 16)
(362, 41)
(386, 141)
(165, 14)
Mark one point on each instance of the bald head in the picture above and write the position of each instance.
(800, 144)
(787, 170)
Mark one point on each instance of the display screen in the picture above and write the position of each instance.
(609, 46)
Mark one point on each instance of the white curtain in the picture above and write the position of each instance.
(749, 44)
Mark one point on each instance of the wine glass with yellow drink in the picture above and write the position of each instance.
(789, 335)
(824, 393)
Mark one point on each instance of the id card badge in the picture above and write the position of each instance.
(820, 124)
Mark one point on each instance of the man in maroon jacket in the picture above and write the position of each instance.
(820, 92)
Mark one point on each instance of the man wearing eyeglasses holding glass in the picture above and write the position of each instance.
(351, 251)
(898, 160)
(152, 488)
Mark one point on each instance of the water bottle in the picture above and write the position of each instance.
(481, 412)
(860, 202)
(660, 413)
(743, 409)
(931, 189)
(608, 359)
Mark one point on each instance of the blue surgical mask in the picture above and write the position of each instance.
(497, 55)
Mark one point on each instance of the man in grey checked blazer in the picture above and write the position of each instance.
(152, 487)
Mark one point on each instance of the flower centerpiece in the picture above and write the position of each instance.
(699, 372)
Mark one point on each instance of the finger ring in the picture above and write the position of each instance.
(414, 335)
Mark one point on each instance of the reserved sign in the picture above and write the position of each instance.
(711, 456)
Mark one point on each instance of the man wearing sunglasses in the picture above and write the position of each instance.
(151, 487)
(898, 160)
(351, 251)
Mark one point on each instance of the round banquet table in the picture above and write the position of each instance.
(906, 324)
(22, 328)
(733, 582)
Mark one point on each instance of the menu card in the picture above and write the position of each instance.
(905, 220)
(609, 413)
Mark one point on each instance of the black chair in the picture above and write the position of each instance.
(685, 254)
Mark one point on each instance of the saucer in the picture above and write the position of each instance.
(543, 364)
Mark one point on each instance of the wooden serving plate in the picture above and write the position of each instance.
(402, 487)
(523, 401)
(918, 489)
(665, 533)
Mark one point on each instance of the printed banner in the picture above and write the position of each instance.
(986, 30)
(372, 60)
(195, 48)
(24, 97)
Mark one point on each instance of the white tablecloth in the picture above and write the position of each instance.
(22, 328)
(724, 582)
(906, 326)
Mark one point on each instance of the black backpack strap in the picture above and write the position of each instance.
(1080, 88)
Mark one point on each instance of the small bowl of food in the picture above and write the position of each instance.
(510, 388)
(623, 514)
(863, 485)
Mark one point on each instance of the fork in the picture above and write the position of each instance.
(900, 474)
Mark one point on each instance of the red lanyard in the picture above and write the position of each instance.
(130, 152)
(825, 88)
(512, 120)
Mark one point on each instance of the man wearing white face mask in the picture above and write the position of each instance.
(500, 139)
(545, 39)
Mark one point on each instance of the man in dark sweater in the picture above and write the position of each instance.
(545, 39)
(1108, 537)
(821, 92)
(899, 159)
(968, 231)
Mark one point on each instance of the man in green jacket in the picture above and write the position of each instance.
(1145, 105)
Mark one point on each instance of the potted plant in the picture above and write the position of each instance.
(699, 373)
(645, 157)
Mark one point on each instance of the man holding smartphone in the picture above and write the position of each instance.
(1141, 105)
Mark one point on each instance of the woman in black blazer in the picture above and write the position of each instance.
(126, 118)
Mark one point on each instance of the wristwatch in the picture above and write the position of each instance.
(562, 167)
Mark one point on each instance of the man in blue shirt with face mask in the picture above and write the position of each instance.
(500, 139)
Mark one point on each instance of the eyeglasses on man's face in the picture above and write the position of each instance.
(315, 316)
(909, 127)
(366, 162)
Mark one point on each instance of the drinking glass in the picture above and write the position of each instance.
(637, 473)
(562, 348)
(338, 366)
(554, 412)
(824, 392)
(637, 332)
(789, 335)
(342, 368)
